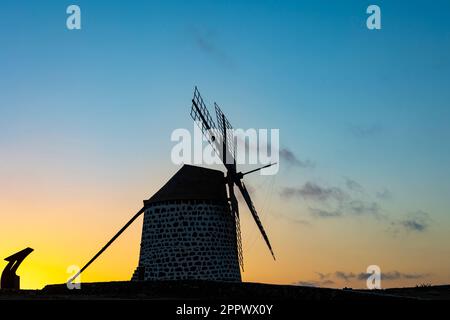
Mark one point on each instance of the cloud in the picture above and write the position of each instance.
(312, 283)
(313, 191)
(334, 202)
(359, 207)
(323, 276)
(414, 225)
(352, 207)
(329, 279)
(363, 276)
(324, 280)
(364, 131)
(323, 213)
(417, 222)
(347, 276)
(306, 283)
(206, 41)
(384, 194)
(395, 275)
(291, 159)
(353, 185)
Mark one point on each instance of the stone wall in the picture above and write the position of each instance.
(188, 239)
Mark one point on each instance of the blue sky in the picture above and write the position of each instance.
(311, 69)
(102, 101)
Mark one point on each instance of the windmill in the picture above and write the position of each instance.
(221, 139)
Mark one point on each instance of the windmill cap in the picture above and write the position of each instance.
(192, 183)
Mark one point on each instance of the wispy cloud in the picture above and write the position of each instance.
(323, 276)
(207, 41)
(416, 222)
(312, 283)
(349, 208)
(395, 275)
(329, 202)
(353, 185)
(324, 213)
(366, 130)
(346, 276)
(313, 191)
(359, 207)
(306, 283)
(384, 194)
(332, 202)
(414, 225)
(290, 158)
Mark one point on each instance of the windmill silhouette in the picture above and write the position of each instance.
(195, 180)
(222, 140)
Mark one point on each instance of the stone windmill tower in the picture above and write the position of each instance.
(189, 231)
(191, 225)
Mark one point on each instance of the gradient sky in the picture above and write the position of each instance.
(86, 118)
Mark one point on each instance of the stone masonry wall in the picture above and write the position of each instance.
(188, 239)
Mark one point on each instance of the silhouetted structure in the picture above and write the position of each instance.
(9, 278)
(221, 138)
(189, 231)
(195, 204)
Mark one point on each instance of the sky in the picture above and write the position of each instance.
(86, 118)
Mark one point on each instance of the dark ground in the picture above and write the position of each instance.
(210, 291)
(165, 299)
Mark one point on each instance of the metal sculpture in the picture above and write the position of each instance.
(9, 278)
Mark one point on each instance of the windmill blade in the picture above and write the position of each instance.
(226, 130)
(250, 205)
(108, 244)
(201, 116)
(235, 211)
